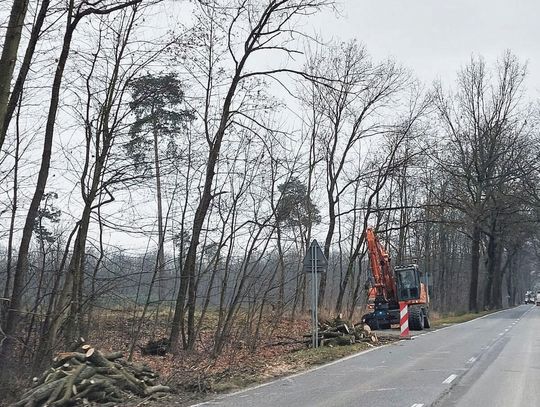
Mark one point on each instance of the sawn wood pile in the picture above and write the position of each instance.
(85, 375)
(339, 333)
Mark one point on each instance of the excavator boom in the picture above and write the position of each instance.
(390, 287)
(379, 260)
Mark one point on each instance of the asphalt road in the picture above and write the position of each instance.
(491, 361)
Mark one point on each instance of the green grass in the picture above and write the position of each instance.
(314, 357)
(457, 318)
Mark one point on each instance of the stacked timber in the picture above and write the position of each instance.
(86, 376)
(339, 333)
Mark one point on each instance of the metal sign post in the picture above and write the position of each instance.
(314, 262)
(314, 300)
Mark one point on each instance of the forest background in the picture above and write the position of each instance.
(172, 161)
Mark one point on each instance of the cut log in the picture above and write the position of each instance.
(89, 352)
(338, 341)
(157, 389)
(330, 334)
(33, 397)
(114, 356)
(90, 377)
(64, 357)
(76, 344)
(159, 347)
(344, 328)
(68, 388)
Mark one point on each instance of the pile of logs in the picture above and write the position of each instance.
(339, 333)
(86, 376)
(156, 348)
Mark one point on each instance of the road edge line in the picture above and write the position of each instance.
(469, 321)
(343, 359)
(313, 369)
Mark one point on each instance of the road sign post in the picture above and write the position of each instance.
(314, 262)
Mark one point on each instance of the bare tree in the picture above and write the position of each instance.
(15, 97)
(9, 57)
(356, 89)
(264, 23)
(484, 123)
(74, 15)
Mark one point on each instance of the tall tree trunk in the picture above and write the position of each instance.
(13, 315)
(24, 69)
(281, 272)
(357, 288)
(490, 268)
(328, 242)
(177, 323)
(498, 274)
(475, 268)
(344, 284)
(202, 208)
(443, 261)
(68, 308)
(161, 237)
(9, 57)
(7, 287)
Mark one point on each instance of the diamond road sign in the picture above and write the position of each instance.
(315, 261)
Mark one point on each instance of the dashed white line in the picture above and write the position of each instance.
(450, 379)
(471, 360)
(417, 405)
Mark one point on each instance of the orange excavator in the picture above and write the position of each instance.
(390, 286)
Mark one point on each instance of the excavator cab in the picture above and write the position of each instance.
(408, 282)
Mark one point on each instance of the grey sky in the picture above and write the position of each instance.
(433, 38)
(436, 37)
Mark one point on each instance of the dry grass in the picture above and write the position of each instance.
(194, 375)
(238, 366)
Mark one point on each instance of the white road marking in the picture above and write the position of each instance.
(471, 360)
(502, 333)
(281, 380)
(450, 379)
(214, 402)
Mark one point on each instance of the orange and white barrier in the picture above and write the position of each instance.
(403, 320)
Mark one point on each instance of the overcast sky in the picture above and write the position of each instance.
(436, 37)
